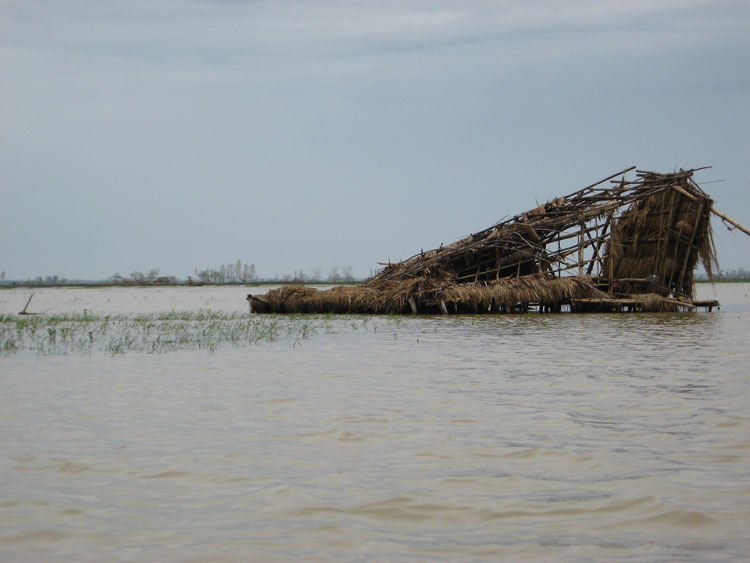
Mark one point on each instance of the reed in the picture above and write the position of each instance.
(155, 333)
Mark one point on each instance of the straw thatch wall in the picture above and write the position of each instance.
(662, 238)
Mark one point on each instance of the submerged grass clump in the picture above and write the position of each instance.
(153, 333)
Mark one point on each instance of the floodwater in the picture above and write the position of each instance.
(534, 437)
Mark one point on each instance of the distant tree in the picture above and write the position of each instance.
(248, 273)
(334, 275)
(2, 275)
(236, 272)
(203, 275)
(738, 274)
(152, 274)
(316, 274)
(116, 278)
(48, 280)
(346, 274)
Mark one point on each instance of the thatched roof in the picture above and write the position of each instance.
(564, 235)
(417, 295)
(614, 239)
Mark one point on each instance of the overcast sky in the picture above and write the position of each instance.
(185, 134)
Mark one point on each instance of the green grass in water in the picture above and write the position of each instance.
(162, 332)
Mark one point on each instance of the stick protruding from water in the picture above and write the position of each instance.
(24, 312)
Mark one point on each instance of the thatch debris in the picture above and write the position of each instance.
(615, 245)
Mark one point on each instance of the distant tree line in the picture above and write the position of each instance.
(39, 280)
(316, 275)
(47, 280)
(738, 274)
(137, 276)
(239, 272)
(236, 272)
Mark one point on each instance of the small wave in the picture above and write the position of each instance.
(71, 512)
(167, 475)
(73, 468)
(34, 536)
(68, 467)
(681, 518)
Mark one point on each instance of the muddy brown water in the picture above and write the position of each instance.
(535, 437)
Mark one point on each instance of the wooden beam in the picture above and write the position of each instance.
(598, 244)
(689, 249)
(581, 239)
(730, 221)
(684, 192)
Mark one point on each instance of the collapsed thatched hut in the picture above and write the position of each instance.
(615, 245)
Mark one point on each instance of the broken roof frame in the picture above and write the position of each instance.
(614, 245)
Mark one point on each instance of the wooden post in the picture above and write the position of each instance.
(611, 262)
(666, 230)
(580, 249)
(597, 247)
(413, 305)
(690, 247)
(678, 242)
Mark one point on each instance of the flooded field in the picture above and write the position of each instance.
(168, 424)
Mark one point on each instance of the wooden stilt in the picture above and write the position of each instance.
(689, 248)
(580, 249)
(413, 305)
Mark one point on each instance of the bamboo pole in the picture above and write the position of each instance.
(689, 249)
(666, 231)
(574, 234)
(581, 240)
(607, 178)
(677, 242)
(684, 192)
(728, 220)
(413, 305)
(596, 242)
